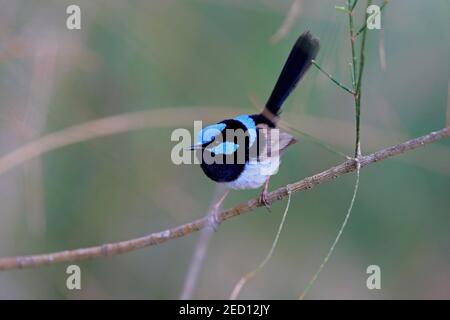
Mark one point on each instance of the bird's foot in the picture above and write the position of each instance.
(213, 221)
(264, 199)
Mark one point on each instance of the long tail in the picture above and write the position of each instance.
(298, 62)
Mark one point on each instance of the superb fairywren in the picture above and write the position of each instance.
(247, 160)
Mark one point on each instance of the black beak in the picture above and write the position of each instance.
(195, 147)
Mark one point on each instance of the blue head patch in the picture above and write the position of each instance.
(207, 135)
(249, 123)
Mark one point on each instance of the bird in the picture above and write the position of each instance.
(244, 152)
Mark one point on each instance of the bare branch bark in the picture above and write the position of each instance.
(9, 263)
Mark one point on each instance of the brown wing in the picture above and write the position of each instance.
(272, 142)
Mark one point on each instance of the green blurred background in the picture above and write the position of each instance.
(175, 56)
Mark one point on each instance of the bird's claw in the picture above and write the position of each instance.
(213, 221)
(264, 199)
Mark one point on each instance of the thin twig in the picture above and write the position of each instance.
(250, 275)
(338, 83)
(359, 89)
(352, 39)
(17, 262)
(336, 240)
(352, 76)
(357, 99)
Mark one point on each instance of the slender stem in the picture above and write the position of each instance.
(357, 98)
(338, 83)
(352, 37)
(250, 275)
(352, 75)
(109, 249)
(359, 89)
(336, 240)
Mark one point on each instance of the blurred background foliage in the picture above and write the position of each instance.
(144, 55)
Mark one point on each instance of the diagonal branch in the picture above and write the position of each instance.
(110, 249)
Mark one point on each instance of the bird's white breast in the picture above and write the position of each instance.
(255, 174)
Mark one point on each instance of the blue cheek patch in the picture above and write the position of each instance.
(207, 134)
(224, 148)
(249, 123)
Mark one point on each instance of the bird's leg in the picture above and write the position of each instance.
(213, 216)
(263, 198)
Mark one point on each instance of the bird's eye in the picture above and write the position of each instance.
(213, 154)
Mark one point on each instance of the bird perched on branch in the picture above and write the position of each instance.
(244, 152)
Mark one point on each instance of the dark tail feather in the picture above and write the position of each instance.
(298, 62)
